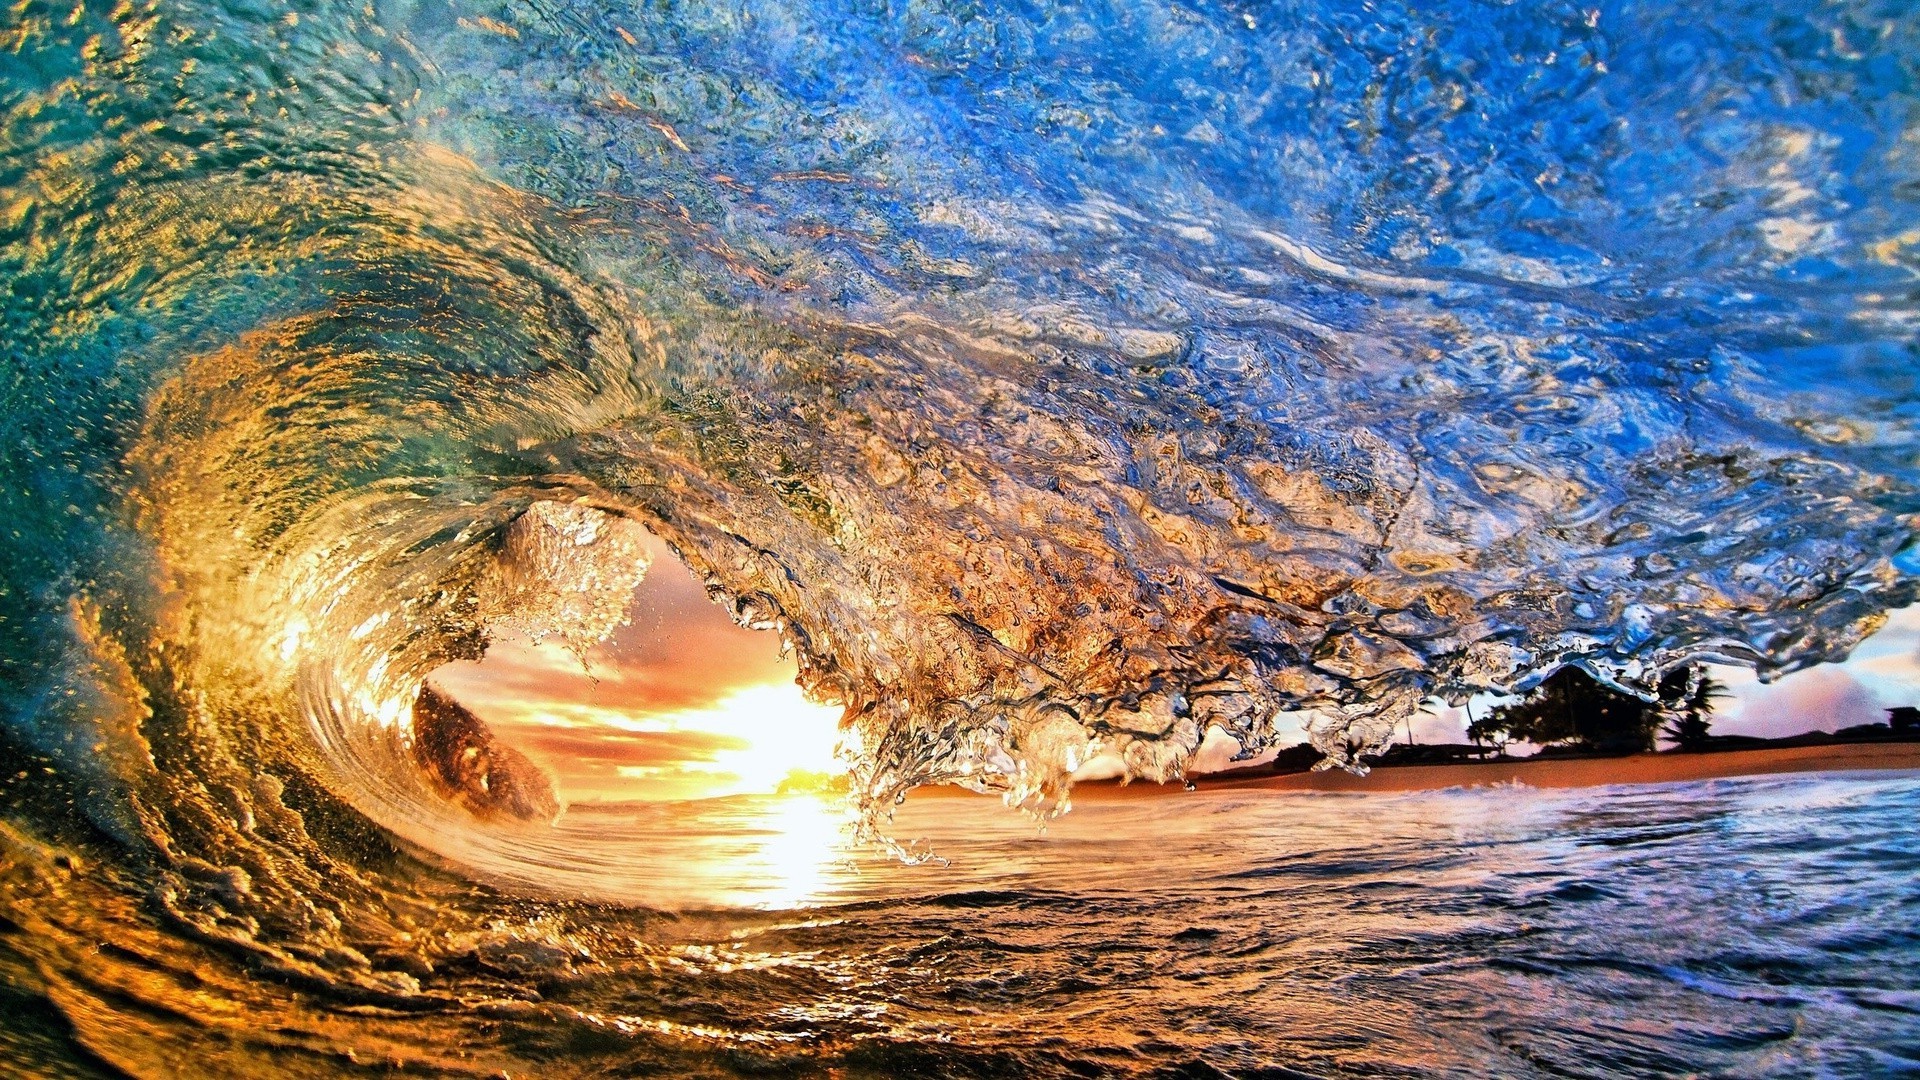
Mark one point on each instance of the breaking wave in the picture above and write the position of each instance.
(1054, 380)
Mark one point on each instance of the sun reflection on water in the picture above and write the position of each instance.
(759, 851)
(802, 840)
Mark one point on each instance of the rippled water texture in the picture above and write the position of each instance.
(1056, 379)
(1751, 928)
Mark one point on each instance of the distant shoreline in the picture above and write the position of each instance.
(1549, 772)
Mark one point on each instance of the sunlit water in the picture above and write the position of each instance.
(1734, 928)
(1057, 380)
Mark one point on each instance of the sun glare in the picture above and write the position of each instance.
(783, 734)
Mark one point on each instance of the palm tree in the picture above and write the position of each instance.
(1689, 713)
(1488, 730)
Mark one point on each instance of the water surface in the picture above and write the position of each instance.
(1056, 379)
(1734, 928)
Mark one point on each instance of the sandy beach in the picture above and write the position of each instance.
(1552, 772)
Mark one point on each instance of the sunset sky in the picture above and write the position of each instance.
(679, 703)
(682, 703)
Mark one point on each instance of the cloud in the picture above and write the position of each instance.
(1441, 723)
(1824, 698)
(613, 746)
(679, 650)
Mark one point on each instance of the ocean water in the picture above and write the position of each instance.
(1747, 928)
(1055, 379)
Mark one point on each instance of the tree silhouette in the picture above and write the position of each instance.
(1689, 712)
(1485, 730)
(1573, 709)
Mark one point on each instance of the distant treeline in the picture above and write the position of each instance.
(1574, 711)
(1573, 714)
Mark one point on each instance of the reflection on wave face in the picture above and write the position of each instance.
(1055, 380)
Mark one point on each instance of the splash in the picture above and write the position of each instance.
(1055, 381)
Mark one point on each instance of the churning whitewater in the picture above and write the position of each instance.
(1055, 379)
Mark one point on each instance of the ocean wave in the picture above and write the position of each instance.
(1055, 381)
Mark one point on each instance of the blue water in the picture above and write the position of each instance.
(1056, 379)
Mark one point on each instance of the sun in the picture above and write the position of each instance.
(780, 734)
